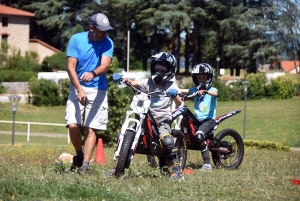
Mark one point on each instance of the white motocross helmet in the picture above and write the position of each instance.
(199, 69)
(170, 61)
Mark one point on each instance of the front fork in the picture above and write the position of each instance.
(125, 127)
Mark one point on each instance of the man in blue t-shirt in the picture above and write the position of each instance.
(204, 106)
(89, 56)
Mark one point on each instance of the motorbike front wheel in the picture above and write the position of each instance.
(227, 149)
(125, 150)
(180, 144)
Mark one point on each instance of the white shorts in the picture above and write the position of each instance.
(95, 111)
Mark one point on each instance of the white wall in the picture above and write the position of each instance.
(53, 76)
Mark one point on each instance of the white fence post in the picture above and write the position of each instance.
(36, 123)
(68, 137)
(28, 131)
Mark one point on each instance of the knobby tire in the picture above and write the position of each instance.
(233, 160)
(122, 160)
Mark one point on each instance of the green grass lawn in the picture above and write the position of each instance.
(266, 120)
(28, 170)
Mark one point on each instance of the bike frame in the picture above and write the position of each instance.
(139, 105)
(184, 120)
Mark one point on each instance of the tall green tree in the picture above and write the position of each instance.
(123, 15)
(287, 28)
(163, 23)
(55, 19)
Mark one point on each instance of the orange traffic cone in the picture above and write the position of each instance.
(99, 155)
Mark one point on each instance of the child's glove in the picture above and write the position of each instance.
(117, 77)
(172, 93)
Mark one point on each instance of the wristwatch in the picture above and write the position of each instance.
(93, 72)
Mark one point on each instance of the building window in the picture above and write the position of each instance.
(4, 21)
(4, 42)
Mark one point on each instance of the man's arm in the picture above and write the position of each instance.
(103, 68)
(81, 95)
(72, 73)
(100, 70)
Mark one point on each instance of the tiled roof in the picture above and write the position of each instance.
(6, 10)
(44, 44)
(289, 65)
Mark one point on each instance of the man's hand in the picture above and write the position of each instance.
(87, 76)
(81, 97)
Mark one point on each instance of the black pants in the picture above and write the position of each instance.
(206, 126)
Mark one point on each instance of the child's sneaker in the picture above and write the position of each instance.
(206, 167)
(177, 175)
(165, 171)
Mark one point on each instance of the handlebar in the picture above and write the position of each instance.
(119, 79)
(192, 95)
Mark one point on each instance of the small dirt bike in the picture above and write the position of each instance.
(139, 133)
(227, 147)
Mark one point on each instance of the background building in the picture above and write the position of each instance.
(15, 29)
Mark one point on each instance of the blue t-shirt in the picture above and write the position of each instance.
(88, 54)
(205, 106)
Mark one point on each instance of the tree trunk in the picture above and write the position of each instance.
(187, 53)
(176, 45)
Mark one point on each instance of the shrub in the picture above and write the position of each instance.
(56, 62)
(45, 92)
(17, 76)
(256, 89)
(223, 94)
(266, 145)
(29, 62)
(280, 88)
(135, 64)
(296, 89)
(236, 91)
(64, 90)
(2, 88)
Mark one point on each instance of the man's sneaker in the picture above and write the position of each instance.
(177, 175)
(77, 163)
(206, 167)
(84, 170)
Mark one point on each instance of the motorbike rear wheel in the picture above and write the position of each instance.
(125, 150)
(227, 149)
(180, 144)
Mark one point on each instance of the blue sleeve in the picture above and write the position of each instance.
(109, 48)
(72, 48)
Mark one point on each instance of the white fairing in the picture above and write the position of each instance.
(140, 103)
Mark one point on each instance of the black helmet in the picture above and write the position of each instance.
(199, 69)
(167, 59)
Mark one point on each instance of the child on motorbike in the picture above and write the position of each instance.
(204, 106)
(163, 68)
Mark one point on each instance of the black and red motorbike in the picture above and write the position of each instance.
(139, 133)
(227, 147)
